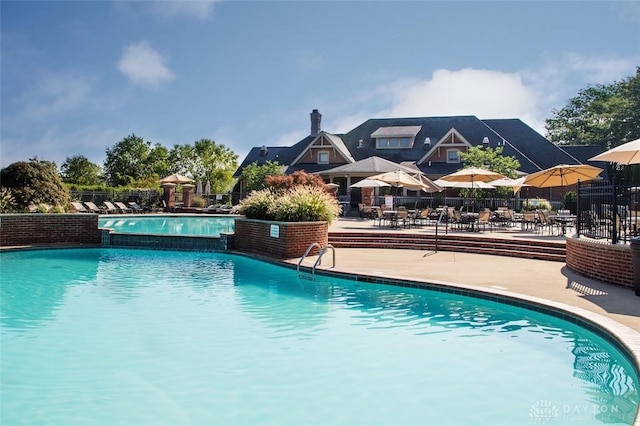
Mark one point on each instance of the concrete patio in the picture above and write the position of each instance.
(526, 278)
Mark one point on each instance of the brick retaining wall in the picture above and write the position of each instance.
(254, 236)
(45, 228)
(602, 261)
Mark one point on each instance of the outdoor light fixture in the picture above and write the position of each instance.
(360, 145)
(427, 142)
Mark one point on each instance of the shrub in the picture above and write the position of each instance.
(198, 202)
(301, 203)
(34, 182)
(7, 202)
(536, 204)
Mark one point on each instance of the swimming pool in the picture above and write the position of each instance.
(105, 336)
(192, 225)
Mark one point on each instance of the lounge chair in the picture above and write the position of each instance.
(135, 207)
(92, 207)
(79, 208)
(110, 208)
(123, 208)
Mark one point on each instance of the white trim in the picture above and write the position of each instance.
(333, 140)
(327, 153)
(450, 135)
(449, 161)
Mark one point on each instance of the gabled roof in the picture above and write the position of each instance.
(534, 151)
(337, 143)
(367, 167)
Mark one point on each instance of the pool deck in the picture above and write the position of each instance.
(527, 279)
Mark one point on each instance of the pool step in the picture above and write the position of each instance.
(528, 249)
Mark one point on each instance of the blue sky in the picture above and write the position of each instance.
(79, 76)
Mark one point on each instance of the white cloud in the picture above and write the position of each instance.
(55, 94)
(143, 65)
(200, 9)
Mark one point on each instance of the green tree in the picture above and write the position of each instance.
(205, 160)
(34, 182)
(490, 159)
(133, 160)
(254, 176)
(125, 161)
(607, 115)
(79, 170)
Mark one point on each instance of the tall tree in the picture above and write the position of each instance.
(490, 159)
(607, 115)
(205, 160)
(79, 170)
(254, 176)
(125, 161)
(133, 160)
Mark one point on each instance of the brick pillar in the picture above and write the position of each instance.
(187, 194)
(169, 195)
(367, 196)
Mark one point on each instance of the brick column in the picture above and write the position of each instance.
(187, 194)
(169, 195)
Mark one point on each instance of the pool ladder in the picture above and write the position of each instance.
(321, 252)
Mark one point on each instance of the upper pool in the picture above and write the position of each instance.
(118, 336)
(198, 225)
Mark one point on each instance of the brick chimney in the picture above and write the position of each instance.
(316, 117)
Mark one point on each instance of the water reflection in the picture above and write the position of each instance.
(34, 283)
(210, 226)
(612, 390)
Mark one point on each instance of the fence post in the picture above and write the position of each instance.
(578, 211)
(614, 213)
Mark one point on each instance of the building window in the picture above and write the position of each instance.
(391, 143)
(323, 157)
(453, 156)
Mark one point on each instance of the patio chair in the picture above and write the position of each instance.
(93, 208)
(123, 208)
(378, 215)
(78, 207)
(484, 219)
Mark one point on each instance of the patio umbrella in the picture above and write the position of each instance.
(399, 179)
(176, 178)
(562, 175)
(472, 175)
(463, 185)
(369, 183)
(629, 153)
(207, 188)
(199, 189)
(516, 184)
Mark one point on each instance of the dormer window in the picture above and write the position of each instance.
(453, 156)
(400, 137)
(323, 157)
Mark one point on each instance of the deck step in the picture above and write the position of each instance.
(528, 249)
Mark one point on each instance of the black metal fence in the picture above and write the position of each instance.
(608, 211)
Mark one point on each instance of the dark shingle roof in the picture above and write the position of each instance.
(533, 151)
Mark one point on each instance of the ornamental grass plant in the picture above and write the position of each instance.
(300, 203)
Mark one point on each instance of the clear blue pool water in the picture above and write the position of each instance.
(199, 225)
(118, 336)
